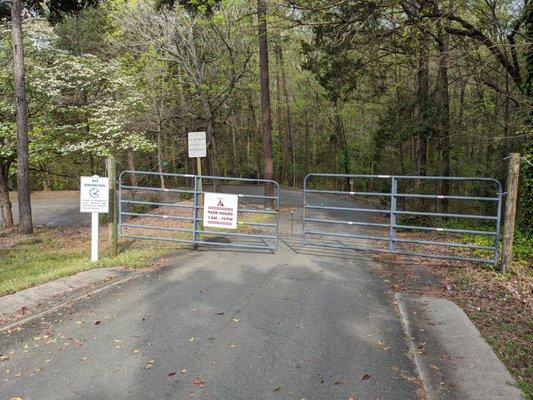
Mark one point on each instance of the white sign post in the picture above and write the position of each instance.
(220, 210)
(197, 144)
(94, 199)
(198, 149)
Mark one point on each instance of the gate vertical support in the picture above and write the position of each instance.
(392, 220)
(303, 210)
(498, 226)
(195, 214)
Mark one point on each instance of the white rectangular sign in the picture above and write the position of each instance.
(94, 194)
(197, 144)
(220, 210)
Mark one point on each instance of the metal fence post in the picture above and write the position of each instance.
(392, 220)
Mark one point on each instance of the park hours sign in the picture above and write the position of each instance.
(94, 194)
(220, 210)
(197, 145)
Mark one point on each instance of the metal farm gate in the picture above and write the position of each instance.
(405, 215)
(165, 206)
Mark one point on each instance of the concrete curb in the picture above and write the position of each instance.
(27, 304)
(452, 358)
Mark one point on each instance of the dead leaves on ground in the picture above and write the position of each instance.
(199, 382)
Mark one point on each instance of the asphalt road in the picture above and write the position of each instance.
(251, 326)
(215, 324)
(59, 208)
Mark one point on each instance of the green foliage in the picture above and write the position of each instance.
(204, 7)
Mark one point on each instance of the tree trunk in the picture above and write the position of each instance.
(23, 172)
(45, 178)
(443, 42)
(5, 202)
(282, 130)
(290, 145)
(421, 109)
(342, 145)
(131, 167)
(256, 135)
(160, 156)
(212, 153)
(265, 98)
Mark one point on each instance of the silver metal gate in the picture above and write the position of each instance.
(371, 213)
(165, 206)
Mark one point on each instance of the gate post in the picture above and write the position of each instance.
(510, 210)
(392, 220)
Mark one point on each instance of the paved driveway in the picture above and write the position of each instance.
(221, 325)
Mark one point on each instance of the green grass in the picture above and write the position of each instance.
(52, 254)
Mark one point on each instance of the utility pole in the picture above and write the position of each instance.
(510, 210)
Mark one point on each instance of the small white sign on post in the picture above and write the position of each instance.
(197, 144)
(220, 210)
(94, 199)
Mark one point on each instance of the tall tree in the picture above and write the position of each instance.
(23, 173)
(265, 93)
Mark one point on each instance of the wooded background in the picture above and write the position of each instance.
(436, 87)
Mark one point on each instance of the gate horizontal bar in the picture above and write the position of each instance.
(348, 193)
(153, 203)
(450, 230)
(370, 210)
(154, 189)
(236, 234)
(256, 196)
(257, 224)
(430, 214)
(422, 178)
(159, 216)
(334, 221)
(240, 245)
(438, 196)
(334, 246)
(446, 244)
(345, 235)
